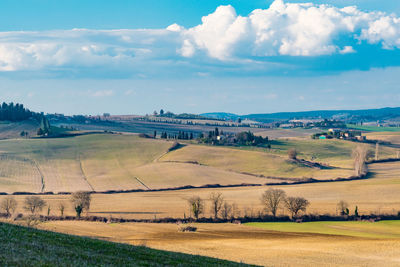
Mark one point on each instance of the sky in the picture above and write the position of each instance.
(133, 57)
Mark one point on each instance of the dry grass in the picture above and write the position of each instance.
(255, 162)
(393, 137)
(246, 244)
(379, 194)
(114, 162)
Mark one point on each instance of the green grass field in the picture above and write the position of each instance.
(382, 229)
(20, 246)
(373, 128)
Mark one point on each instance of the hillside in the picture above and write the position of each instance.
(356, 115)
(13, 129)
(20, 246)
(102, 162)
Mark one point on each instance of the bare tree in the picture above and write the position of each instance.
(227, 210)
(9, 205)
(296, 204)
(196, 206)
(360, 156)
(34, 204)
(377, 151)
(235, 210)
(61, 208)
(216, 203)
(343, 207)
(81, 201)
(292, 153)
(271, 199)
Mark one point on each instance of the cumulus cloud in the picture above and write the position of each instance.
(223, 38)
(287, 29)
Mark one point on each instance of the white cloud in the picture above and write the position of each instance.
(289, 29)
(283, 29)
(385, 30)
(102, 93)
(347, 50)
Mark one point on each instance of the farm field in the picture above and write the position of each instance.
(101, 162)
(392, 137)
(274, 163)
(20, 246)
(374, 128)
(378, 230)
(378, 194)
(14, 129)
(254, 245)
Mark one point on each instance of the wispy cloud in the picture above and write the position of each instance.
(102, 93)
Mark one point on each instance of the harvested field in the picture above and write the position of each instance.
(101, 162)
(248, 244)
(379, 194)
(254, 162)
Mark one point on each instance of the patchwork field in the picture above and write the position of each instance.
(286, 246)
(378, 194)
(111, 162)
(102, 162)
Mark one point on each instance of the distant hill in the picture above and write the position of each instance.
(346, 115)
(221, 115)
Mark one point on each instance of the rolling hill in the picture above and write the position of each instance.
(347, 115)
(20, 246)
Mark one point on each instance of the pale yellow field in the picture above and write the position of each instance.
(246, 244)
(255, 162)
(379, 194)
(393, 137)
(104, 162)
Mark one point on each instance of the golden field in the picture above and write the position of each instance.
(249, 244)
(107, 162)
(378, 194)
(104, 162)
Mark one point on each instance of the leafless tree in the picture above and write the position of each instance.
(360, 156)
(292, 153)
(61, 208)
(9, 205)
(216, 203)
(377, 151)
(296, 204)
(227, 210)
(342, 206)
(81, 201)
(34, 204)
(196, 205)
(271, 199)
(235, 210)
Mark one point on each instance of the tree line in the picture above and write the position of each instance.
(14, 112)
(272, 200)
(34, 204)
(181, 135)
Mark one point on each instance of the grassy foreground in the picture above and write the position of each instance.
(20, 246)
(382, 229)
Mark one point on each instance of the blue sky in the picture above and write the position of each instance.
(132, 57)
